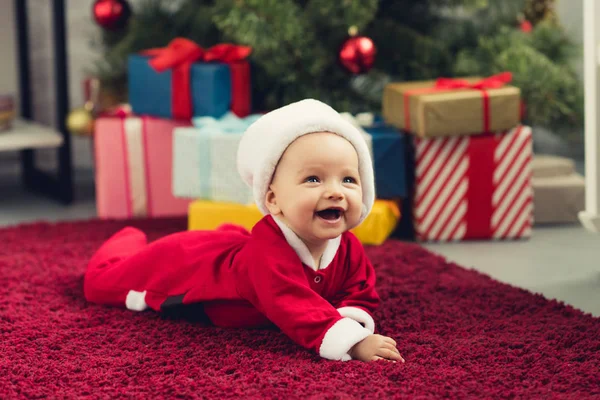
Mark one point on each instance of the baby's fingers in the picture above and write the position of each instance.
(390, 346)
(390, 354)
(377, 358)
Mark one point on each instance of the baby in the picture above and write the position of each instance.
(300, 268)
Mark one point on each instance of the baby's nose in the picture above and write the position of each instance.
(335, 193)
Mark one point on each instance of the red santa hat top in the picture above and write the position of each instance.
(264, 142)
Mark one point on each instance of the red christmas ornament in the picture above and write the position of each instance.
(526, 26)
(357, 54)
(111, 14)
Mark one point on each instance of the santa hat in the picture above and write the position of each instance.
(264, 142)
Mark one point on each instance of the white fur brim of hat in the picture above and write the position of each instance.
(264, 142)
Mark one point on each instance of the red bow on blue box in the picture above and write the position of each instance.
(181, 56)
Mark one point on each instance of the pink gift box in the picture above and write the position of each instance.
(133, 162)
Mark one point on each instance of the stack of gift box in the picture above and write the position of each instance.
(470, 168)
(452, 154)
(205, 169)
(176, 154)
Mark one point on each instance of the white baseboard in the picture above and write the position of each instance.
(590, 221)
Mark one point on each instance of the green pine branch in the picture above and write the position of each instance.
(552, 93)
(408, 55)
(550, 88)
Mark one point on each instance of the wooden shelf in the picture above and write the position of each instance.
(29, 135)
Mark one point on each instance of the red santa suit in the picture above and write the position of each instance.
(244, 279)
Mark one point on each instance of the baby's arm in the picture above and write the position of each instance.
(358, 300)
(280, 291)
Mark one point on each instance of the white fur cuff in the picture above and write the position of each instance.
(136, 301)
(340, 338)
(359, 315)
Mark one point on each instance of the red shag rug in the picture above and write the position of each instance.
(463, 335)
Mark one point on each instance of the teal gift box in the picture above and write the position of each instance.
(205, 159)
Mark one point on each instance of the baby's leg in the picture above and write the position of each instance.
(103, 282)
(129, 271)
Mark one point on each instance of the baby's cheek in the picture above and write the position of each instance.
(356, 201)
(303, 206)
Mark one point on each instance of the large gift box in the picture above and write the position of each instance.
(448, 107)
(205, 159)
(133, 161)
(208, 215)
(473, 187)
(558, 190)
(183, 80)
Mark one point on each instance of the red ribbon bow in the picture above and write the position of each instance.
(179, 56)
(492, 82)
(449, 84)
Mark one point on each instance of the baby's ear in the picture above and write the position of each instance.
(271, 202)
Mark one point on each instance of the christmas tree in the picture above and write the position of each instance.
(296, 47)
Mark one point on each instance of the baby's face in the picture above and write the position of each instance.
(316, 189)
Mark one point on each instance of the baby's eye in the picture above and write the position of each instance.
(312, 179)
(349, 179)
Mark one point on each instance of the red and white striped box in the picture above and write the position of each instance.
(474, 187)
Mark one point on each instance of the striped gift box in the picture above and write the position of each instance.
(474, 187)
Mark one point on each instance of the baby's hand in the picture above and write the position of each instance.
(376, 347)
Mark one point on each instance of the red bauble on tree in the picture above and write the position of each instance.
(357, 53)
(111, 14)
(526, 26)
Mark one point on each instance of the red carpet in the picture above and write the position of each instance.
(463, 335)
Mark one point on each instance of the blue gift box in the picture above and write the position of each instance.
(150, 91)
(389, 146)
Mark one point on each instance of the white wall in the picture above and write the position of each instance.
(570, 14)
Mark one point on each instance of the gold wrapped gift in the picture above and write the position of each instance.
(451, 107)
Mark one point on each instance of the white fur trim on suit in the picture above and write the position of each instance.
(340, 338)
(264, 142)
(300, 248)
(136, 301)
(359, 315)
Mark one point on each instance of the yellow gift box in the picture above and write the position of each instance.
(208, 215)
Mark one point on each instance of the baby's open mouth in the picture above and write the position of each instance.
(330, 214)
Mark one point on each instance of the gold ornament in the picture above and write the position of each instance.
(80, 121)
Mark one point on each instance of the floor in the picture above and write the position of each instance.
(561, 262)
